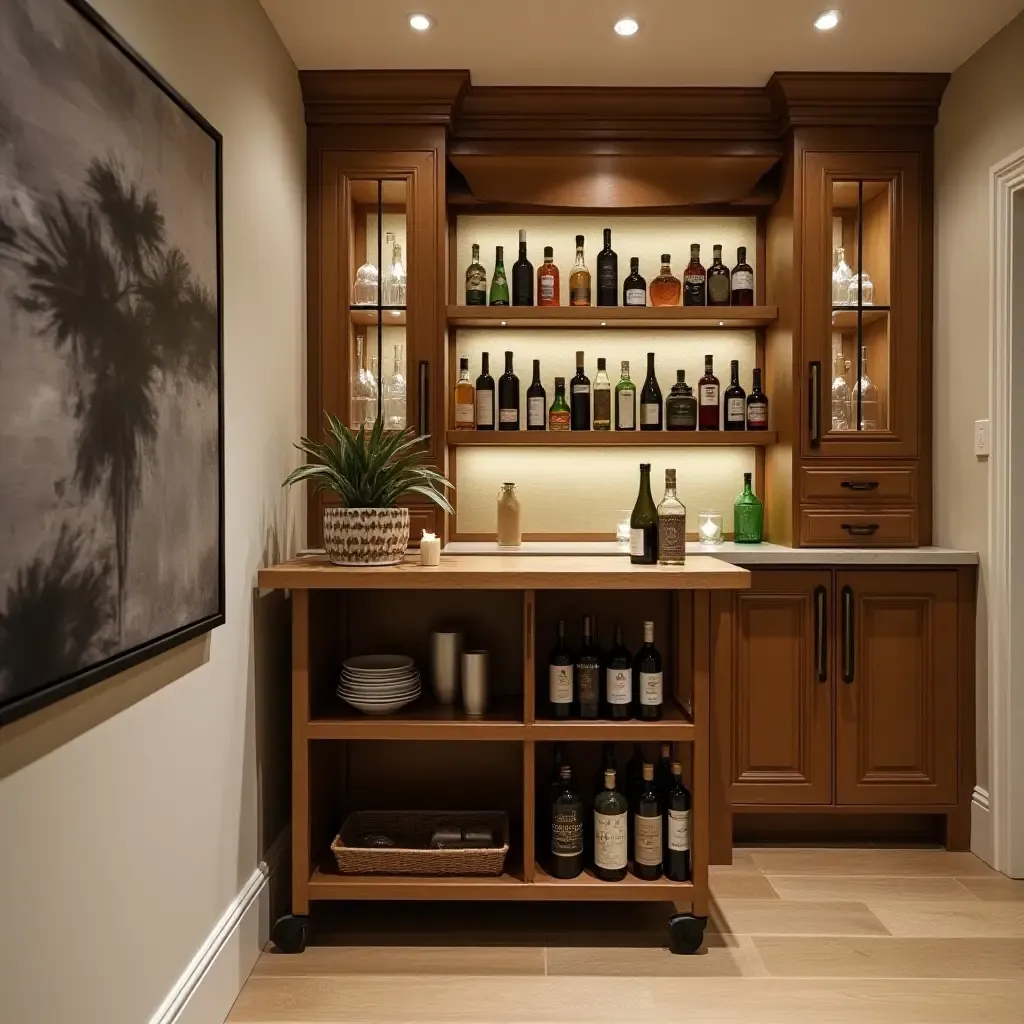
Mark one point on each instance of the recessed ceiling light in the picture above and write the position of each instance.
(826, 21)
(626, 26)
(420, 22)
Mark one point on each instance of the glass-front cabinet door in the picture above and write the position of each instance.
(862, 311)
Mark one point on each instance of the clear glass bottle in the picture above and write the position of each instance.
(841, 415)
(394, 280)
(864, 399)
(373, 385)
(476, 280)
(395, 393)
(364, 288)
(602, 397)
(841, 275)
(748, 515)
(666, 288)
(579, 279)
(625, 400)
(363, 396)
(861, 283)
(671, 524)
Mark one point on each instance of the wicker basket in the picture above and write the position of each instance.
(412, 830)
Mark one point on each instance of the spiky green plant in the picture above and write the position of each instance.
(370, 470)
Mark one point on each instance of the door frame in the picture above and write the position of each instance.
(1003, 842)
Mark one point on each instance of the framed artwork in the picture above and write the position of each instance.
(111, 358)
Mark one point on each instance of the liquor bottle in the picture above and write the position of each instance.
(548, 291)
(579, 279)
(665, 288)
(476, 280)
(625, 400)
(643, 523)
(681, 406)
(618, 680)
(558, 414)
(560, 687)
(634, 288)
(719, 292)
(499, 283)
(608, 764)
(647, 669)
(579, 397)
(842, 415)
(742, 280)
(708, 414)
(508, 397)
(536, 401)
(602, 398)
(647, 851)
(663, 774)
(671, 525)
(611, 846)
(650, 399)
(587, 672)
(864, 397)
(465, 397)
(757, 405)
(747, 515)
(485, 396)
(522, 276)
(694, 280)
(607, 273)
(566, 828)
(677, 823)
(735, 400)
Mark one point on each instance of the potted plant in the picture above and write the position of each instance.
(369, 472)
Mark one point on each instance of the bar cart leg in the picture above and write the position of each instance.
(289, 933)
(686, 933)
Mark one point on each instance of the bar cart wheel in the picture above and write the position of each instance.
(289, 933)
(686, 933)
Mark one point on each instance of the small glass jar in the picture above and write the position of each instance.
(861, 283)
(709, 526)
(510, 533)
(364, 290)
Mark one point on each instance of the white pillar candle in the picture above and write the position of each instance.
(430, 549)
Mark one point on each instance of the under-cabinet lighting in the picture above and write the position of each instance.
(627, 26)
(420, 22)
(504, 323)
(826, 21)
(604, 323)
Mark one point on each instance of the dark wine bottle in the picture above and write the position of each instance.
(742, 280)
(719, 293)
(677, 824)
(757, 405)
(647, 669)
(560, 688)
(618, 676)
(634, 288)
(708, 390)
(566, 828)
(650, 399)
(694, 280)
(508, 397)
(522, 276)
(611, 845)
(647, 851)
(588, 674)
(663, 773)
(607, 273)
(643, 523)
(633, 782)
(579, 398)
(485, 396)
(536, 402)
(735, 400)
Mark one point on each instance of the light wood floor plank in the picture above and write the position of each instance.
(953, 919)
(729, 882)
(866, 888)
(793, 917)
(936, 863)
(998, 887)
(408, 959)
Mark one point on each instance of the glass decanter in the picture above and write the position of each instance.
(364, 392)
(865, 397)
(841, 275)
(394, 394)
(861, 283)
(394, 279)
(842, 418)
(364, 289)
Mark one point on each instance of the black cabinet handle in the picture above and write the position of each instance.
(424, 384)
(861, 529)
(821, 632)
(860, 485)
(847, 634)
(815, 403)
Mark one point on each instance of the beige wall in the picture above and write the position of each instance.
(981, 123)
(131, 815)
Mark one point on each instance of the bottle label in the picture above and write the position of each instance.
(647, 840)
(636, 542)
(560, 684)
(671, 539)
(610, 844)
(581, 389)
(476, 298)
(602, 408)
(508, 415)
(650, 688)
(588, 685)
(464, 413)
(608, 278)
(535, 412)
(619, 685)
(485, 408)
(627, 405)
(757, 414)
(579, 295)
(649, 412)
(678, 830)
(681, 414)
(559, 420)
(718, 289)
(743, 280)
(547, 289)
(735, 410)
(566, 831)
(693, 291)
(709, 394)
(635, 297)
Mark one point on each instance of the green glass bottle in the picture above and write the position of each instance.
(748, 515)
(625, 401)
(499, 283)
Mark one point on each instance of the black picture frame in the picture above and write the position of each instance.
(64, 687)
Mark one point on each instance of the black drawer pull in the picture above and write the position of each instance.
(860, 485)
(815, 404)
(861, 529)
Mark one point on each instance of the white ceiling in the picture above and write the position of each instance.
(680, 42)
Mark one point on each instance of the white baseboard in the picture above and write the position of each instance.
(208, 987)
(982, 833)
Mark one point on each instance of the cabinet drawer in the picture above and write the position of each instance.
(857, 528)
(859, 484)
(423, 517)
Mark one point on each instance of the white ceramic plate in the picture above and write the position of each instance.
(378, 680)
(379, 687)
(380, 709)
(363, 695)
(377, 663)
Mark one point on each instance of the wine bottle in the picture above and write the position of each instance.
(634, 288)
(709, 390)
(522, 276)
(757, 405)
(663, 773)
(618, 680)
(625, 400)
(643, 523)
(548, 291)
(579, 397)
(607, 273)
(559, 415)
(650, 399)
(566, 828)
(536, 402)
(742, 280)
(602, 398)
(681, 406)
(508, 397)
(735, 400)
(677, 860)
(476, 280)
(647, 669)
(694, 280)
(465, 398)
(587, 672)
(499, 283)
(560, 688)
(611, 847)
(719, 293)
(647, 851)
(485, 396)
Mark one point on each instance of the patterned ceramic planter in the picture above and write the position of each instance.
(366, 536)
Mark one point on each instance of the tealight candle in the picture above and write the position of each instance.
(430, 549)
(709, 526)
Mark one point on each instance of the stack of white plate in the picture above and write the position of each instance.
(379, 684)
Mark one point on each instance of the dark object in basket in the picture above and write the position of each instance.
(470, 838)
(378, 842)
(412, 832)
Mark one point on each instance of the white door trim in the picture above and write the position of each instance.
(1006, 546)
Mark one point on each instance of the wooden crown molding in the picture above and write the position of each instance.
(382, 97)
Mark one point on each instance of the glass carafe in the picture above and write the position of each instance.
(865, 398)
(394, 279)
(841, 276)
(842, 417)
(394, 394)
(861, 283)
(364, 289)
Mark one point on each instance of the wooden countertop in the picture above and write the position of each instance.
(496, 572)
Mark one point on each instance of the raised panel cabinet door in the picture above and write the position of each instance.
(781, 707)
(896, 684)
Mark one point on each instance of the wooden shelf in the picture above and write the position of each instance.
(844, 318)
(674, 725)
(588, 887)
(422, 722)
(366, 316)
(595, 317)
(611, 438)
